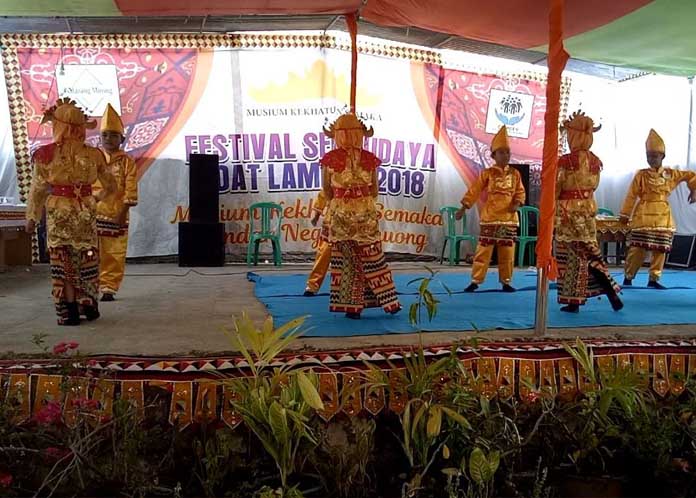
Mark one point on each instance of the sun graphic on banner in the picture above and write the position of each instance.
(318, 82)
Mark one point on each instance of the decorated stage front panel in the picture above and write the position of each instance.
(262, 111)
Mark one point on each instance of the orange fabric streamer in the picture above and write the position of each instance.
(547, 203)
(352, 22)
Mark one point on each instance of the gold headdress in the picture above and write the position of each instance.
(654, 143)
(500, 140)
(580, 128)
(578, 121)
(111, 121)
(348, 121)
(65, 111)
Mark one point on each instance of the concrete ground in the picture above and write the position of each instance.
(166, 310)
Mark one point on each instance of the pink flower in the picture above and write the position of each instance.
(5, 480)
(92, 363)
(86, 404)
(60, 348)
(532, 396)
(73, 345)
(49, 414)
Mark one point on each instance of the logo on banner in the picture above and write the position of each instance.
(512, 109)
(92, 86)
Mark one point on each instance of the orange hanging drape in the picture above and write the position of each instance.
(547, 203)
(352, 22)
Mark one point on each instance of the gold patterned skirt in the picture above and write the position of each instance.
(360, 278)
(78, 267)
(580, 269)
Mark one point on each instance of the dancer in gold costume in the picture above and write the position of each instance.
(63, 174)
(499, 220)
(360, 276)
(582, 272)
(647, 207)
(113, 209)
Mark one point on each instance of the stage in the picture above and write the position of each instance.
(167, 311)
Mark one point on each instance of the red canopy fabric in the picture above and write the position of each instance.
(238, 7)
(520, 24)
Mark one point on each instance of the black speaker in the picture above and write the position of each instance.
(201, 244)
(683, 252)
(204, 179)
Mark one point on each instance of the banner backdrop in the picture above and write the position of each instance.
(262, 111)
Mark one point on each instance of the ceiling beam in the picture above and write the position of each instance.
(445, 41)
(331, 23)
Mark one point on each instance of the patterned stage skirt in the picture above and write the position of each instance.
(652, 240)
(360, 278)
(79, 267)
(579, 264)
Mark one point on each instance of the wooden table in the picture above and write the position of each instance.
(610, 229)
(15, 243)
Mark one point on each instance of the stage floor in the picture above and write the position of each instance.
(166, 310)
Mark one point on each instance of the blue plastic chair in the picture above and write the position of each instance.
(266, 231)
(525, 240)
(452, 237)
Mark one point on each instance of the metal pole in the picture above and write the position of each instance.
(691, 120)
(542, 294)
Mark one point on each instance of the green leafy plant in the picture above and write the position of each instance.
(479, 474)
(593, 423)
(275, 403)
(429, 411)
(426, 299)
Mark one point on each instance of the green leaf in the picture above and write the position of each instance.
(422, 409)
(460, 419)
(605, 402)
(434, 422)
(413, 314)
(309, 391)
(485, 406)
(424, 286)
(478, 466)
(406, 426)
(277, 418)
(493, 464)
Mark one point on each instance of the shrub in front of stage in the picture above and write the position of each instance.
(423, 427)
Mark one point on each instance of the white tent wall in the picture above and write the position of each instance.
(627, 110)
(8, 171)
